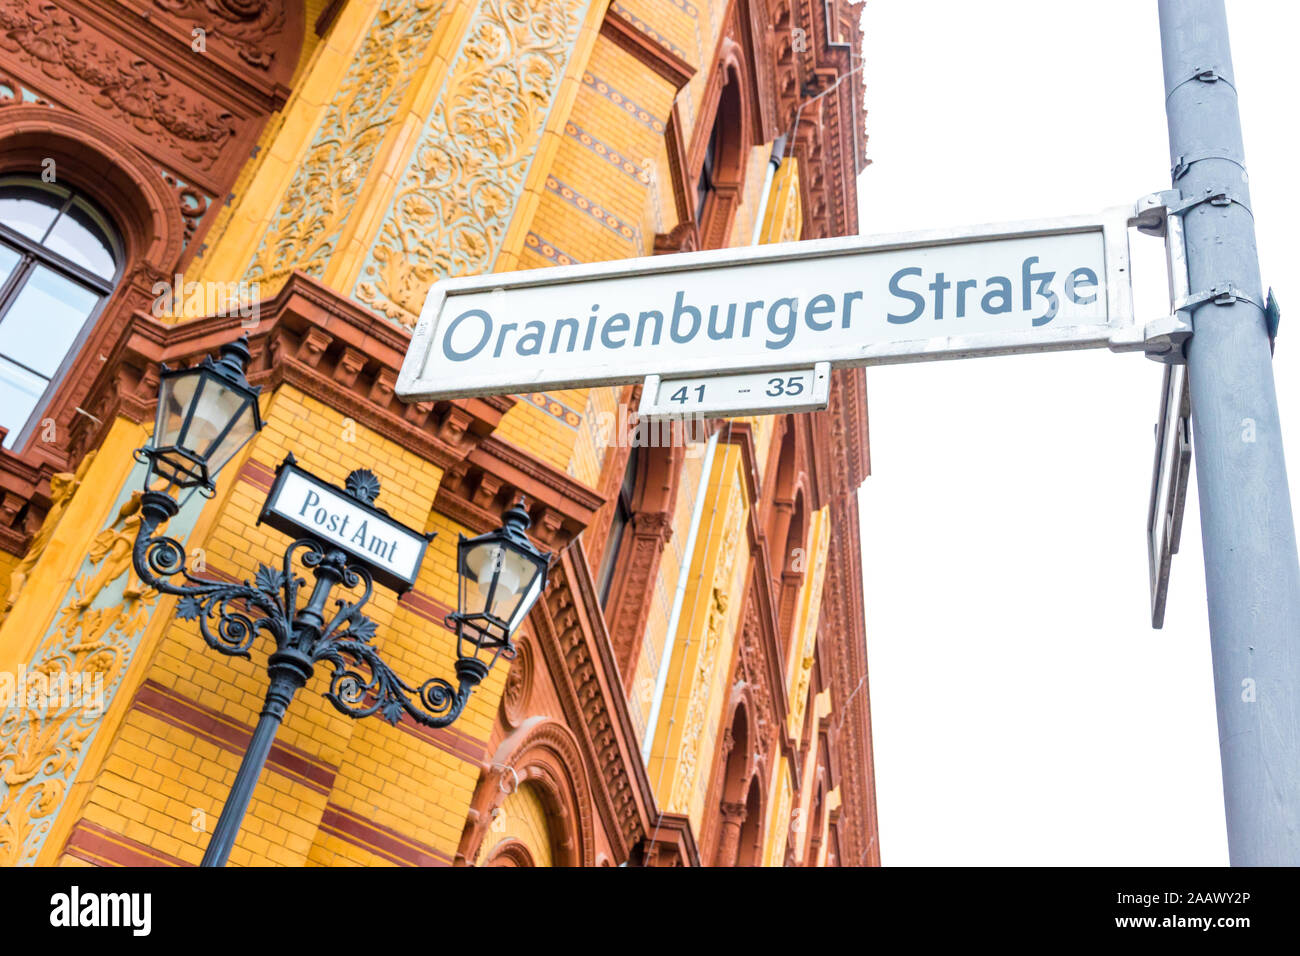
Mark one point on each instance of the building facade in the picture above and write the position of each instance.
(692, 687)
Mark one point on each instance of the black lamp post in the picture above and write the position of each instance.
(205, 415)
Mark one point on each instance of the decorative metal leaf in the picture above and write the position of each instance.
(392, 711)
(189, 608)
(363, 485)
(268, 580)
(361, 629)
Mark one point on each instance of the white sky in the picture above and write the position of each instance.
(1024, 711)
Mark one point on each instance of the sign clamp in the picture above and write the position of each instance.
(1215, 197)
(1162, 339)
(1224, 294)
(1160, 214)
(1185, 163)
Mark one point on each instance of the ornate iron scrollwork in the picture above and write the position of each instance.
(230, 616)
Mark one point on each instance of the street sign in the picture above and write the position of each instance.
(753, 393)
(861, 300)
(1168, 485)
(303, 506)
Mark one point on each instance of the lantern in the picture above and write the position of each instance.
(205, 415)
(501, 577)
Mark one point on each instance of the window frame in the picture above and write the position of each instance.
(705, 187)
(33, 254)
(619, 523)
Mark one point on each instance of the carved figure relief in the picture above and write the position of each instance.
(63, 486)
(87, 651)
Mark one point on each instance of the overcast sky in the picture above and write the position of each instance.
(1024, 711)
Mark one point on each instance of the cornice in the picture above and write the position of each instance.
(656, 56)
(306, 336)
(160, 40)
(477, 490)
(671, 843)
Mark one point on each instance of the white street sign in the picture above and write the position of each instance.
(751, 393)
(302, 505)
(861, 300)
(1173, 464)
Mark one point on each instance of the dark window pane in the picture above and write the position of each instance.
(20, 390)
(702, 189)
(629, 476)
(612, 545)
(705, 185)
(29, 208)
(618, 527)
(45, 320)
(80, 235)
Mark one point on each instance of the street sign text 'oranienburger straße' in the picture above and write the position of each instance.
(862, 300)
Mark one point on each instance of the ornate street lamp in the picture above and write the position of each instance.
(205, 415)
(501, 576)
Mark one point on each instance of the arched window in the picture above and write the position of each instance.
(718, 187)
(59, 260)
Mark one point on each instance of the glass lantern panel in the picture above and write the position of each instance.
(244, 428)
(218, 405)
(525, 605)
(174, 399)
(516, 573)
(481, 559)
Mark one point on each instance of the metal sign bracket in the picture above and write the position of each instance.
(1151, 211)
(1162, 340)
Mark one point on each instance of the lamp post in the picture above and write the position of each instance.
(205, 415)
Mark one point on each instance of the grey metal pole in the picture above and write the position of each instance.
(1252, 576)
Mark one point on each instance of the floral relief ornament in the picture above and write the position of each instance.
(251, 27)
(325, 186)
(131, 88)
(454, 200)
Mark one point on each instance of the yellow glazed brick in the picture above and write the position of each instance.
(147, 776)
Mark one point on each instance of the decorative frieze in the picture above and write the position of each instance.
(458, 192)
